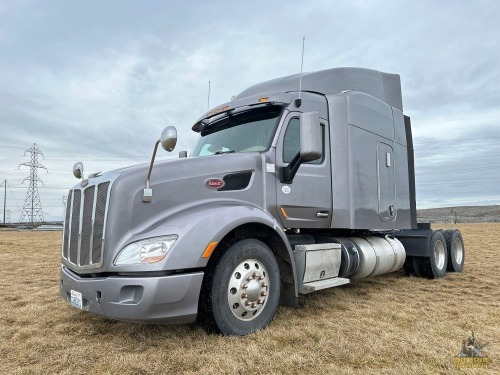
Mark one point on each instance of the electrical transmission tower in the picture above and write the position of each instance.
(32, 209)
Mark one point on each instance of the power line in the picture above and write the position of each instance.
(444, 158)
(49, 187)
(461, 171)
(493, 145)
(13, 196)
(454, 140)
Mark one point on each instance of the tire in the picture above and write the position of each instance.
(416, 262)
(241, 290)
(456, 250)
(412, 266)
(434, 266)
(408, 266)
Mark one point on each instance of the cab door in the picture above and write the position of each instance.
(307, 201)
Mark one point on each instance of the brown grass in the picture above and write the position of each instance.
(388, 324)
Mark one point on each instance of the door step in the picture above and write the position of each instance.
(322, 284)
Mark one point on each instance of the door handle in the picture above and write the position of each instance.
(322, 214)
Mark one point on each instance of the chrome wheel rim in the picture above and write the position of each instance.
(439, 254)
(248, 290)
(459, 251)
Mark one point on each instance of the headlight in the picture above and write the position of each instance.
(150, 250)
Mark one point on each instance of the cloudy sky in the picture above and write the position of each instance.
(96, 81)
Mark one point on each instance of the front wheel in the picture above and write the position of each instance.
(242, 289)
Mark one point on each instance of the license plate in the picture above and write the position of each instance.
(76, 299)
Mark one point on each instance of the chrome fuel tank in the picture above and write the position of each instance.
(367, 256)
(377, 255)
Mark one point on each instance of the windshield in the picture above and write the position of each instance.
(248, 131)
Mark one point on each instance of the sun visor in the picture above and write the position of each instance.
(239, 105)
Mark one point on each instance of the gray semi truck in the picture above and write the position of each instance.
(298, 184)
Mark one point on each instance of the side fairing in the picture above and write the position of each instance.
(370, 185)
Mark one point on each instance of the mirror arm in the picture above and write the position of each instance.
(147, 194)
(289, 172)
(151, 165)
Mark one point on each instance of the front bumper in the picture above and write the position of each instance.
(166, 299)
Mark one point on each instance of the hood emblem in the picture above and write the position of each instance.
(84, 183)
(214, 183)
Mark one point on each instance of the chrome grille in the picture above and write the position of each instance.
(102, 195)
(88, 206)
(75, 224)
(84, 225)
(66, 221)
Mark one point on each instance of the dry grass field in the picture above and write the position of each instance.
(388, 324)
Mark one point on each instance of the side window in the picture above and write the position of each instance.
(291, 142)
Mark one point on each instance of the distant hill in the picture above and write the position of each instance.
(468, 214)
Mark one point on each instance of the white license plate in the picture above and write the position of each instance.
(76, 299)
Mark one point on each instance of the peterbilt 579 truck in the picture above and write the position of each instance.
(297, 184)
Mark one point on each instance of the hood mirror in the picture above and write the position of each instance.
(78, 170)
(168, 138)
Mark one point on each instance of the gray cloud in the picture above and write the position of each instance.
(97, 82)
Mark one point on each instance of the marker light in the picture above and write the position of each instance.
(150, 250)
(284, 213)
(209, 250)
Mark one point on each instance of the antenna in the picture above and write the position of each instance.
(208, 101)
(298, 102)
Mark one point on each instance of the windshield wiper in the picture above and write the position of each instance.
(224, 152)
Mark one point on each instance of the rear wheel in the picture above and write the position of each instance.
(434, 266)
(242, 289)
(456, 250)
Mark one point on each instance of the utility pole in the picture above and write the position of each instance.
(4, 199)
(32, 209)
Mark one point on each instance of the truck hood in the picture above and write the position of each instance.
(179, 185)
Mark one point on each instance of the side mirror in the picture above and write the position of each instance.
(311, 144)
(168, 138)
(78, 170)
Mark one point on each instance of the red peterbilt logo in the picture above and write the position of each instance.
(214, 183)
(84, 183)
